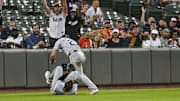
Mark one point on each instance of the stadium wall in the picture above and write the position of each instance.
(25, 68)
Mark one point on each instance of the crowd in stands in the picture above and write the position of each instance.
(67, 19)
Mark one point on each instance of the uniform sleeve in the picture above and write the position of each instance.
(57, 45)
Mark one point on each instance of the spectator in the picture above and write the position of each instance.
(84, 17)
(136, 38)
(57, 19)
(8, 30)
(85, 8)
(150, 19)
(174, 42)
(85, 41)
(94, 13)
(14, 40)
(72, 4)
(161, 25)
(115, 41)
(97, 40)
(124, 41)
(73, 25)
(154, 40)
(145, 39)
(131, 26)
(106, 32)
(165, 37)
(153, 26)
(120, 25)
(35, 40)
(172, 26)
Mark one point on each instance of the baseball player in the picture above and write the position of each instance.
(57, 19)
(76, 57)
(63, 80)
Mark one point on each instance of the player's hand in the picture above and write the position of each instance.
(52, 61)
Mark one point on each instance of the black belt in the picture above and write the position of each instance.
(72, 52)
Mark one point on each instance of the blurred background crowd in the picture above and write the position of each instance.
(92, 23)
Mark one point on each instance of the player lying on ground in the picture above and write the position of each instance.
(76, 57)
(63, 80)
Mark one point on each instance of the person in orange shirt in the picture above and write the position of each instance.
(106, 32)
(85, 41)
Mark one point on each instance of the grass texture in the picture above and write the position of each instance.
(103, 95)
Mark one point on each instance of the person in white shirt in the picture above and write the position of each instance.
(76, 57)
(94, 13)
(14, 40)
(62, 80)
(174, 42)
(154, 40)
(57, 19)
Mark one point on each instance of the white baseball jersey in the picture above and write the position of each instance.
(72, 49)
(57, 86)
(57, 25)
(67, 45)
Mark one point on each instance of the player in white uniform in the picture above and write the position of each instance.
(77, 57)
(57, 20)
(63, 80)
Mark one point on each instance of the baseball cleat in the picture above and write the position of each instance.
(94, 91)
(47, 76)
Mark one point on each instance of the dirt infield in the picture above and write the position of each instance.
(24, 90)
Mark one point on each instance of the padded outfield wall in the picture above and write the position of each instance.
(25, 68)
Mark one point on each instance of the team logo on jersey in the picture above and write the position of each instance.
(73, 23)
(57, 19)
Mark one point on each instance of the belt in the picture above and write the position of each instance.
(72, 52)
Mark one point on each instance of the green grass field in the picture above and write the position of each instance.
(103, 95)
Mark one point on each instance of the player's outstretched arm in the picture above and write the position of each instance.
(64, 4)
(46, 7)
(53, 56)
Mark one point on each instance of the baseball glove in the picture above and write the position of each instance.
(68, 86)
